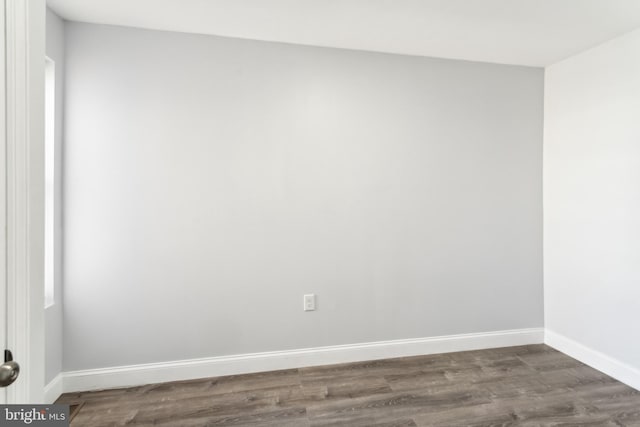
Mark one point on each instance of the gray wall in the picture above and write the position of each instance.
(55, 46)
(211, 182)
(592, 201)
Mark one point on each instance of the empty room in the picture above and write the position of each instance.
(320, 213)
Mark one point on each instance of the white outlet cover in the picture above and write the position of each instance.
(309, 302)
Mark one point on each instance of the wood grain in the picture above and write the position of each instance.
(514, 386)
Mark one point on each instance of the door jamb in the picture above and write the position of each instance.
(3, 194)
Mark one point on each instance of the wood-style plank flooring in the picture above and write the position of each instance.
(515, 386)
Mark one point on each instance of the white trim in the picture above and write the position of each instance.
(25, 29)
(53, 390)
(3, 195)
(126, 376)
(610, 366)
(17, 182)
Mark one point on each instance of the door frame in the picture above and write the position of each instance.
(3, 163)
(24, 197)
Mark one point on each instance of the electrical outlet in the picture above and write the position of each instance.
(309, 302)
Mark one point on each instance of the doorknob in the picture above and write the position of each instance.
(9, 370)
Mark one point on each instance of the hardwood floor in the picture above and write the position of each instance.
(514, 386)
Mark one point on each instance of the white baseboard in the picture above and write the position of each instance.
(610, 366)
(126, 376)
(54, 389)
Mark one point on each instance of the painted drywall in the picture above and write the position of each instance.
(211, 182)
(54, 313)
(592, 199)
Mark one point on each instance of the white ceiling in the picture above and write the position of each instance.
(524, 32)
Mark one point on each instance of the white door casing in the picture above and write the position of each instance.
(3, 198)
(23, 195)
